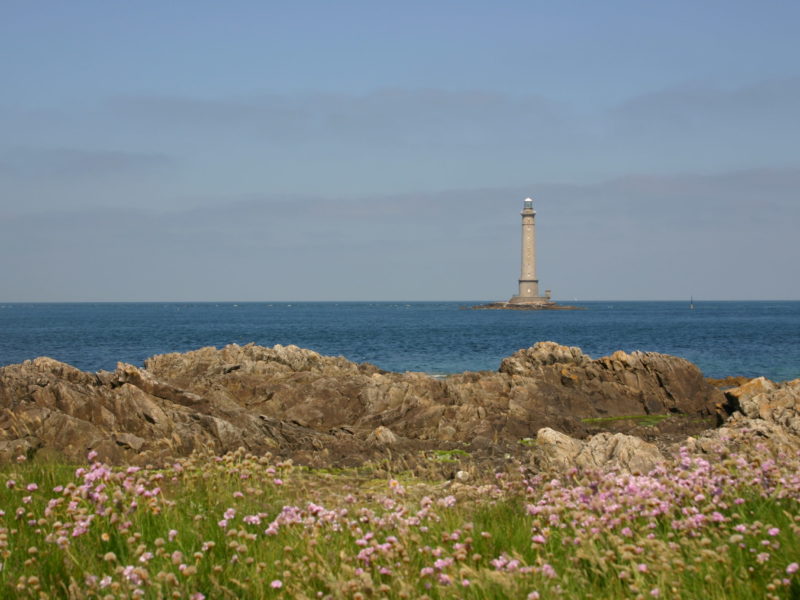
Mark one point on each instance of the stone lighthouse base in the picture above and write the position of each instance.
(525, 303)
(530, 300)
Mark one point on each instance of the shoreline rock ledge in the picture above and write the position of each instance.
(328, 411)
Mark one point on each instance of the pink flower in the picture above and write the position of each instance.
(32, 487)
(172, 534)
(792, 568)
(773, 531)
(276, 584)
(548, 571)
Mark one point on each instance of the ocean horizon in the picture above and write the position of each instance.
(723, 337)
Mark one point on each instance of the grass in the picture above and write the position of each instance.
(241, 526)
(644, 420)
(448, 456)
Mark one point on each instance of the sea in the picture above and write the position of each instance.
(722, 338)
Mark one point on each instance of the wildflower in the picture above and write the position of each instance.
(762, 557)
(276, 584)
(534, 595)
(773, 531)
(172, 534)
(641, 567)
(447, 501)
(21, 458)
(538, 539)
(655, 592)
(10, 483)
(792, 568)
(277, 481)
(548, 571)
(109, 557)
(32, 487)
(91, 456)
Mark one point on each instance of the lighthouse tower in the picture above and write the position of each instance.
(528, 284)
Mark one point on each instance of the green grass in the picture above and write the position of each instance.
(423, 538)
(644, 420)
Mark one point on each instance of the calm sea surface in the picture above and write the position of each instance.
(722, 338)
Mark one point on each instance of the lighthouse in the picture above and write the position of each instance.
(528, 283)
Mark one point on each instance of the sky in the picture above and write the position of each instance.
(315, 150)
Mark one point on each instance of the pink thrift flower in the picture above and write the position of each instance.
(276, 584)
(641, 567)
(655, 592)
(792, 568)
(548, 571)
(773, 531)
(172, 534)
(32, 487)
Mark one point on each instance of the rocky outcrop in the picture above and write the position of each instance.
(328, 410)
(636, 383)
(761, 411)
(554, 451)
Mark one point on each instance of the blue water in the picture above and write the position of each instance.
(722, 338)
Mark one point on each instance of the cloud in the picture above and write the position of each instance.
(385, 117)
(67, 163)
(724, 235)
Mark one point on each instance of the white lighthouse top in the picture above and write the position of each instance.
(528, 203)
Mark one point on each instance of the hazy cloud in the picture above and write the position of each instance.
(384, 117)
(27, 162)
(635, 237)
